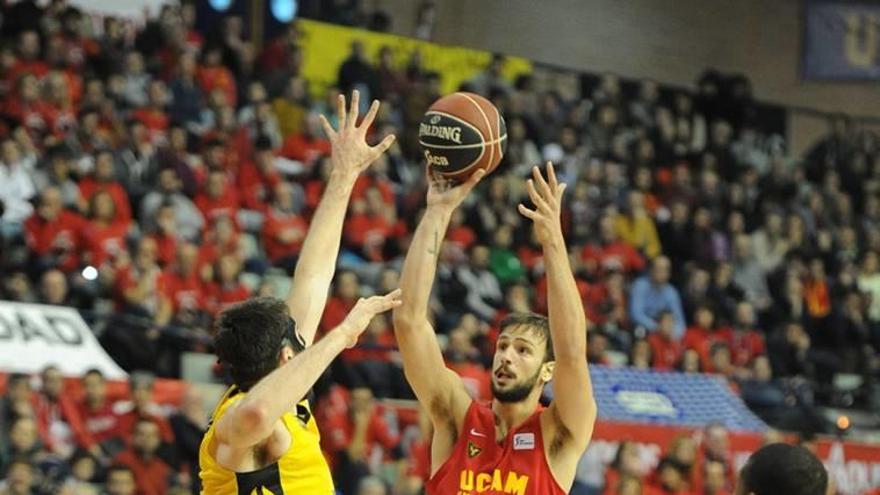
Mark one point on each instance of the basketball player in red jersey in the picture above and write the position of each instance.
(512, 445)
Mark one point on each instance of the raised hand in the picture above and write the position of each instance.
(363, 312)
(350, 152)
(443, 193)
(546, 195)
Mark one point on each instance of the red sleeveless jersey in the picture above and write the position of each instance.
(479, 465)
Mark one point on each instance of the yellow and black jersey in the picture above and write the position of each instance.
(302, 469)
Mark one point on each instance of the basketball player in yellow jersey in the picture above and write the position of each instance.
(262, 438)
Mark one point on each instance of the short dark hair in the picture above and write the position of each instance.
(118, 468)
(249, 336)
(93, 371)
(783, 468)
(536, 324)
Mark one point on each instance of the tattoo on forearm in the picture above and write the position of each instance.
(435, 249)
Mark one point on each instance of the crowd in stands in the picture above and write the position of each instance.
(184, 167)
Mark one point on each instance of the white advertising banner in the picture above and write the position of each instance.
(33, 336)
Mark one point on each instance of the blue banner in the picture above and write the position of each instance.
(841, 40)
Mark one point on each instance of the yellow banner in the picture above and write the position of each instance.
(326, 46)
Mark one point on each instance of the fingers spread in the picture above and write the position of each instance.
(340, 110)
(370, 116)
(551, 175)
(353, 109)
(328, 129)
(542, 184)
(383, 145)
(560, 191)
(534, 195)
(530, 214)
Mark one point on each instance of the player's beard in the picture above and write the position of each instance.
(518, 392)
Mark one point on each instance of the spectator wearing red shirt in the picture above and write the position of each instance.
(28, 59)
(346, 293)
(25, 106)
(154, 116)
(671, 479)
(314, 186)
(142, 408)
(104, 179)
(284, 230)
(463, 357)
(213, 75)
(306, 146)
(226, 288)
(61, 427)
(136, 284)
(744, 341)
(219, 198)
(369, 226)
(665, 348)
(61, 110)
(613, 253)
(103, 237)
(257, 179)
(181, 288)
(626, 463)
(701, 334)
(165, 234)
(151, 474)
(220, 239)
(53, 234)
(362, 439)
(96, 410)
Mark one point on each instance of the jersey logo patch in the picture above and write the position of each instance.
(473, 450)
(524, 441)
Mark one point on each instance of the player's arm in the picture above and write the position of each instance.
(575, 409)
(251, 420)
(439, 389)
(317, 260)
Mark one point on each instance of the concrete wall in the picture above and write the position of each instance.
(669, 40)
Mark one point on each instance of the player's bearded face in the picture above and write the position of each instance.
(516, 372)
(506, 388)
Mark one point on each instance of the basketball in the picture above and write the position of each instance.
(462, 133)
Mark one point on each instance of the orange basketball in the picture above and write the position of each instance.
(462, 133)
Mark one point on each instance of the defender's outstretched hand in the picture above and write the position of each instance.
(443, 193)
(546, 195)
(359, 317)
(350, 152)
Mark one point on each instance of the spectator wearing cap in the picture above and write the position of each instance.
(651, 294)
(151, 474)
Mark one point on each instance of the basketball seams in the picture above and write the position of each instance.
(482, 143)
(488, 125)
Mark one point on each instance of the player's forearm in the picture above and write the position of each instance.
(282, 389)
(420, 266)
(568, 323)
(317, 260)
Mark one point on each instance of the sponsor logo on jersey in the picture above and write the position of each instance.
(497, 482)
(473, 450)
(524, 441)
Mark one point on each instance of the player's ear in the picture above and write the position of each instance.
(547, 370)
(286, 355)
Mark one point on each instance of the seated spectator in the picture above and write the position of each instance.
(720, 361)
(671, 478)
(768, 242)
(104, 237)
(53, 234)
(291, 108)
(677, 235)
(613, 253)
(361, 438)
(83, 474)
(665, 347)
(484, 294)
(651, 294)
(284, 230)
(181, 289)
(16, 186)
(346, 291)
(626, 463)
(188, 217)
(186, 95)
(151, 474)
(748, 273)
(368, 226)
(189, 425)
(213, 75)
(371, 361)
(154, 115)
(636, 228)
(96, 410)
(226, 288)
(17, 402)
(24, 443)
(503, 262)
(219, 198)
(120, 481)
(640, 355)
(55, 291)
(597, 348)
(464, 358)
(136, 284)
(61, 427)
(258, 179)
(142, 408)
(20, 478)
(104, 179)
(743, 338)
(715, 480)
